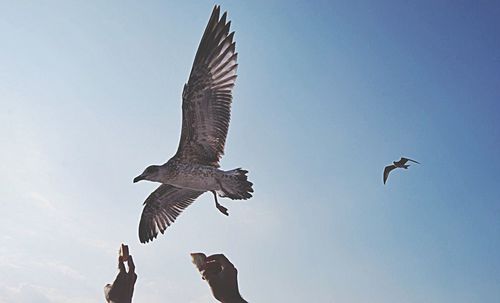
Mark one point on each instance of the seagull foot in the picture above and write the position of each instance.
(221, 208)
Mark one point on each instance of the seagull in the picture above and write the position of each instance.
(399, 164)
(206, 111)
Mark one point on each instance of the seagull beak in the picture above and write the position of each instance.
(138, 178)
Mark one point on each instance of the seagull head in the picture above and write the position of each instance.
(151, 173)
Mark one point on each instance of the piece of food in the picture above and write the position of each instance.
(124, 252)
(199, 259)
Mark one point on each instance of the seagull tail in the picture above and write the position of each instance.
(235, 185)
(406, 166)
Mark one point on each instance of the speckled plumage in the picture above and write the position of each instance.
(206, 111)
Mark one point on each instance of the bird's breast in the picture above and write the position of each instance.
(197, 177)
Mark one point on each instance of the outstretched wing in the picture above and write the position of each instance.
(162, 208)
(206, 99)
(406, 160)
(387, 170)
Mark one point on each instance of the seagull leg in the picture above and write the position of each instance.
(221, 208)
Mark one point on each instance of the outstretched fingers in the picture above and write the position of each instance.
(131, 265)
(121, 265)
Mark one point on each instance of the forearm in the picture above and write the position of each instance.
(235, 299)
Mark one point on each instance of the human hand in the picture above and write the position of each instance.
(222, 276)
(122, 289)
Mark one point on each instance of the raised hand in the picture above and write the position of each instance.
(122, 289)
(222, 277)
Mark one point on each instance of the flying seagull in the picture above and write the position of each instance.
(206, 110)
(399, 164)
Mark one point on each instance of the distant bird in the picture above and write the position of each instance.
(399, 164)
(206, 110)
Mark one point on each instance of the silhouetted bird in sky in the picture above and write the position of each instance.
(206, 110)
(399, 164)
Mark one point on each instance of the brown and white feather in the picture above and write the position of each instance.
(207, 97)
(161, 209)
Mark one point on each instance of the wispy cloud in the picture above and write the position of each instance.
(21, 287)
(64, 269)
(15, 262)
(67, 221)
(9, 262)
(29, 293)
(41, 202)
(22, 293)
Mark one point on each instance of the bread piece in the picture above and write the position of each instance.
(199, 259)
(124, 252)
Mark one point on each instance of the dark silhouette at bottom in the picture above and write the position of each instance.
(122, 289)
(217, 270)
(221, 275)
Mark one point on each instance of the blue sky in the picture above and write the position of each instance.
(328, 93)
